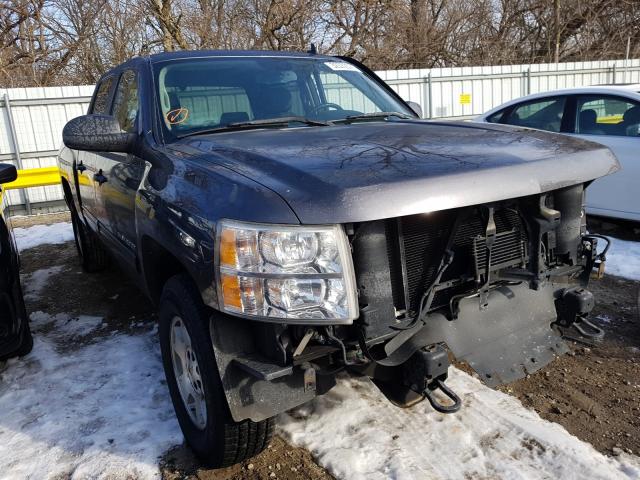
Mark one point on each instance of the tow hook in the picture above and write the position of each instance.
(573, 307)
(426, 372)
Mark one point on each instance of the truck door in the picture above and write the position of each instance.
(120, 174)
(86, 162)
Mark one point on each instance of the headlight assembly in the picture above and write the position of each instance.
(280, 273)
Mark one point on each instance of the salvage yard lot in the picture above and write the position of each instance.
(91, 400)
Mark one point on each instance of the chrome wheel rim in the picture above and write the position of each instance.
(187, 374)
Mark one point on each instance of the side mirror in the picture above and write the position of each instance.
(8, 173)
(97, 133)
(416, 108)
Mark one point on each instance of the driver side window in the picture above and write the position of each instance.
(544, 114)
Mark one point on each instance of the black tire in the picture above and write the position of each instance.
(222, 441)
(93, 256)
(26, 344)
(18, 312)
(26, 341)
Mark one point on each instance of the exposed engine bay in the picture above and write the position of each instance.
(496, 285)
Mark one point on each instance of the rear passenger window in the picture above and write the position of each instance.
(604, 115)
(125, 105)
(545, 114)
(101, 101)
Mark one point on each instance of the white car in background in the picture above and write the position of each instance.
(609, 115)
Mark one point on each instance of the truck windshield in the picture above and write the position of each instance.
(211, 93)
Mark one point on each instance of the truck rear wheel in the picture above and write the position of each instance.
(195, 385)
(92, 253)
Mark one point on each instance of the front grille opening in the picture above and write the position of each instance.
(395, 265)
(417, 243)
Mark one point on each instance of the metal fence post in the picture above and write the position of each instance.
(16, 148)
(613, 74)
(430, 96)
(526, 81)
(424, 96)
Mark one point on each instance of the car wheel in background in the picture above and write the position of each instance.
(92, 253)
(26, 341)
(195, 385)
(12, 305)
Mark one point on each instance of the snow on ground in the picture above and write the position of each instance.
(355, 433)
(63, 327)
(101, 410)
(40, 234)
(623, 259)
(34, 283)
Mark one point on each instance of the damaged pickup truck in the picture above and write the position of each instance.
(292, 217)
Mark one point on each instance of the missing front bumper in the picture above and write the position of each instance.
(509, 339)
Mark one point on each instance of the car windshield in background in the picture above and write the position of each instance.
(220, 93)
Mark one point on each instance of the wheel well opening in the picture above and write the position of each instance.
(159, 266)
(68, 195)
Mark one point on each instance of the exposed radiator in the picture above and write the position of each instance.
(418, 242)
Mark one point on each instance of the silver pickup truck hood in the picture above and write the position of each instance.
(374, 170)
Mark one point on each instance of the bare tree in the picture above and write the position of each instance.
(46, 42)
(166, 18)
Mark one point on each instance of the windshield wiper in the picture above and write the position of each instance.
(376, 116)
(280, 121)
(263, 122)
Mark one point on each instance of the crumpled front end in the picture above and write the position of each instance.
(496, 283)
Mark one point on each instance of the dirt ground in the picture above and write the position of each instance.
(594, 392)
(46, 219)
(279, 461)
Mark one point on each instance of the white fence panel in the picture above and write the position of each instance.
(470, 91)
(37, 116)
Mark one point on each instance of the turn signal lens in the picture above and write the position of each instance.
(228, 256)
(231, 292)
(242, 294)
(238, 249)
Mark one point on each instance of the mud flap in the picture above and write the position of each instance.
(507, 340)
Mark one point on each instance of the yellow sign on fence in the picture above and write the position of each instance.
(465, 99)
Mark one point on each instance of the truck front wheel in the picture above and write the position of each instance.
(195, 385)
(93, 255)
